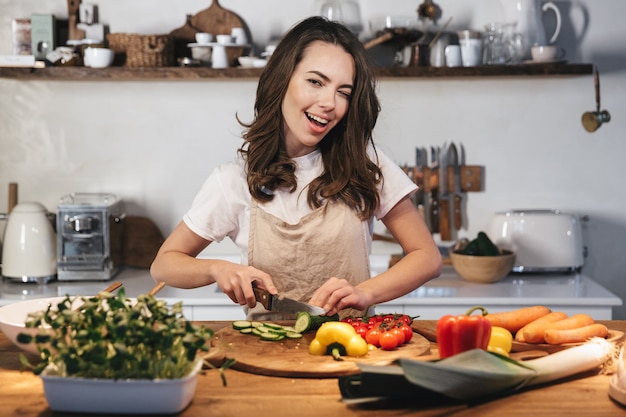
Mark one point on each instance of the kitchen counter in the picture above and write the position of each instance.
(255, 395)
(447, 294)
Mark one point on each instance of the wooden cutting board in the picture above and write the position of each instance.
(220, 21)
(291, 358)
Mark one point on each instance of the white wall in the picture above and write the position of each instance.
(153, 143)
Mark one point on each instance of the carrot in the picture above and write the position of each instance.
(516, 319)
(551, 317)
(577, 335)
(535, 333)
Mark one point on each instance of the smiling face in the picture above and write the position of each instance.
(317, 97)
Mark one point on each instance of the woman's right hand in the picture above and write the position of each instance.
(236, 281)
(177, 265)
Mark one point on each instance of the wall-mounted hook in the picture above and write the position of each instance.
(592, 120)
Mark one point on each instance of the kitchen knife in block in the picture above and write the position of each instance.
(434, 210)
(444, 197)
(458, 192)
(454, 182)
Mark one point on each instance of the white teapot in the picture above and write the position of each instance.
(528, 15)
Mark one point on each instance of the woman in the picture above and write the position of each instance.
(300, 200)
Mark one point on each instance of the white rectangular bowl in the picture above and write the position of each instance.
(129, 396)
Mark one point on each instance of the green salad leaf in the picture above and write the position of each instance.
(114, 337)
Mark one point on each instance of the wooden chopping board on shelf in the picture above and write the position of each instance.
(220, 21)
(291, 358)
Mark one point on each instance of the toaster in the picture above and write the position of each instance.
(543, 240)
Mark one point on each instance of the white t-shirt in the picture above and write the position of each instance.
(222, 206)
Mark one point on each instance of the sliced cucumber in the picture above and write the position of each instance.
(272, 336)
(266, 331)
(277, 331)
(273, 325)
(303, 322)
(306, 322)
(241, 324)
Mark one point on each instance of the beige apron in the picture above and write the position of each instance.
(327, 242)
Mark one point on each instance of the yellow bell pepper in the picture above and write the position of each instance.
(501, 341)
(337, 338)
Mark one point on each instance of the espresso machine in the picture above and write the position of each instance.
(89, 237)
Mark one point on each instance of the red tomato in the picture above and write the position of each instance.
(405, 319)
(408, 333)
(388, 341)
(399, 334)
(361, 331)
(388, 318)
(373, 337)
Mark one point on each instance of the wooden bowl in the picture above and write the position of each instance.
(483, 269)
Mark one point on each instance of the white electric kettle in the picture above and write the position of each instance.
(29, 252)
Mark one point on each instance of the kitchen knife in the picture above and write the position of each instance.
(433, 212)
(444, 196)
(453, 169)
(278, 303)
(421, 161)
(458, 196)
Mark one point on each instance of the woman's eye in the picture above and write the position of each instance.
(346, 94)
(315, 82)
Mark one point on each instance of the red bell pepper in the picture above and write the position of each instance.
(456, 334)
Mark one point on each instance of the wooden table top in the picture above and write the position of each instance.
(21, 393)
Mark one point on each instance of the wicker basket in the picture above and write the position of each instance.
(134, 50)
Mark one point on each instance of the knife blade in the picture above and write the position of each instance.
(421, 161)
(278, 303)
(453, 169)
(458, 193)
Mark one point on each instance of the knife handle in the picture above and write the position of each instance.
(263, 296)
(444, 218)
(458, 219)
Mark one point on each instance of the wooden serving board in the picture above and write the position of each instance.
(291, 358)
(220, 21)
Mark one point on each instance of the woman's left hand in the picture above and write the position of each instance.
(337, 294)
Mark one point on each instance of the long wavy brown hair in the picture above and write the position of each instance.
(349, 175)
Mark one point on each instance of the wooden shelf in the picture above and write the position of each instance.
(203, 73)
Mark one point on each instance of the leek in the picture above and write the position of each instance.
(476, 373)
(572, 361)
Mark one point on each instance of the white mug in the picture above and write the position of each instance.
(224, 39)
(203, 38)
(219, 58)
(453, 56)
(471, 49)
(547, 53)
(98, 57)
(239, 35)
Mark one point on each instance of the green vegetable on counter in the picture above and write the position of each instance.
(481, 246)
(114, 337)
